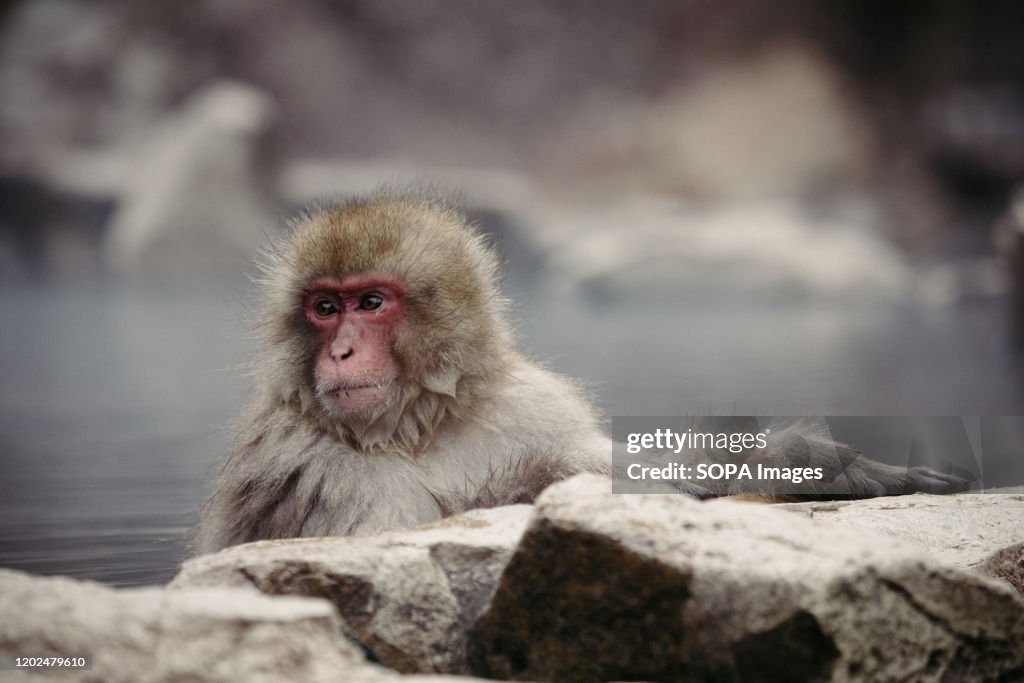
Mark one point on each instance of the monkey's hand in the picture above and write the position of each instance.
(927, 480)
(869, 478)
(838, 472)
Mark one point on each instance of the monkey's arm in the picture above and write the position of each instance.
(839, 470)
(563, 437)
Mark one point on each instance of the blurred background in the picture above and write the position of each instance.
(804, 207)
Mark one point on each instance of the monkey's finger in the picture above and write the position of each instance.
(927, 480)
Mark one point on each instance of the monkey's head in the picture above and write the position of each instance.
(383, 316)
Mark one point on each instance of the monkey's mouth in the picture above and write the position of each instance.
(338, 391)
(354, 397)
(353, 389)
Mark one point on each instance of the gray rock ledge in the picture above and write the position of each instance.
(626, 587)
(409, 597)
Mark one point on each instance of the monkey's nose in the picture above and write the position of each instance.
(346, 354)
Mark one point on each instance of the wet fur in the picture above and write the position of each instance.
(471, 422)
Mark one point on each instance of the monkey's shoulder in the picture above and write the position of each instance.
(540, 392)
(539, 408)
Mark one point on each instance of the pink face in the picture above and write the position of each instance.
(353, 321)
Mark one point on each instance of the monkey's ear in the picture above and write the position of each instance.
(442, 381)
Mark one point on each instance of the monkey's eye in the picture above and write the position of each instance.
(371, 302)
(324, 308)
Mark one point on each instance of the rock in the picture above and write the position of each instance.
(408, 597)
(778, 122)
(968, 530)
(609, 587)
(203, 194)
(152, 635)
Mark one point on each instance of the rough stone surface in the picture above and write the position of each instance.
(152, 635)
(984, 532)
(586, 586)
(409, 597)
(667, 588)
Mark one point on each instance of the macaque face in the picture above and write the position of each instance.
(353, 321)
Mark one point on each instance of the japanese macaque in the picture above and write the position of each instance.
(389, 391)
